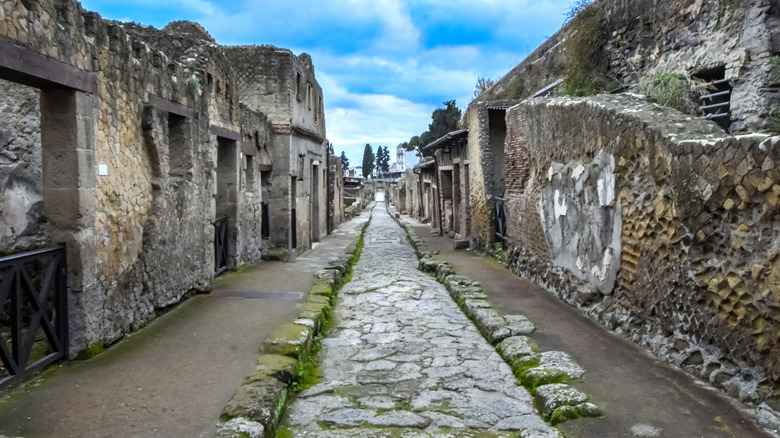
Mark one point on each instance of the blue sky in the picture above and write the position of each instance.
(384, 65)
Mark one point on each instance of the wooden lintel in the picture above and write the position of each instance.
(171, 107)
(225, 133)
(23, 66)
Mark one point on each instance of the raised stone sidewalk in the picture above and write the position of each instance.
(403, 360)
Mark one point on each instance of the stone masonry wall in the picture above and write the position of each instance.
(689, 36)
(144, 234)
(256, 131)
(22, 222)
(152, 238)
(656, 224)
(487, 176)
(480, 173)
(282, 85)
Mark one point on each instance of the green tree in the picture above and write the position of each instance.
(413, 145)
(344, 161)
(443, 121)
(368, 161)
(382, 159)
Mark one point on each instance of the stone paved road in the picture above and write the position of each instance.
(403, 360)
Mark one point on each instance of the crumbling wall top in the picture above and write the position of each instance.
(189, 29)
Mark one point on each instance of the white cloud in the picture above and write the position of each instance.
(384, 65)
(378, 119)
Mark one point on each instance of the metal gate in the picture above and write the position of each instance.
(293, 229)
(500, 218)
(221, 245)
(265, 226)
(33, 312)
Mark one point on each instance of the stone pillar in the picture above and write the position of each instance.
(68, 163)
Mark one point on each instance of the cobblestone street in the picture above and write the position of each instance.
(402, 359)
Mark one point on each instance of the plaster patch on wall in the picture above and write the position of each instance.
(19, 198)
(582, 220)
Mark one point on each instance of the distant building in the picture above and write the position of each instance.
(400, 160)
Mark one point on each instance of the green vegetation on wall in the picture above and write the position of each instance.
(675, 90)
(516, 89)
(586, 64)
(774, 74)
(774, 121)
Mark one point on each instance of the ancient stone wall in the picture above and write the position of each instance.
(136, 168)
(282, 85)
(657, 224)
(22, 222)
(256, 131)
(487, 161)
(335, 192)
(452, 163)
(698, 37)
(480, 172)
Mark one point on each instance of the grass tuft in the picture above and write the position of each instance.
(675, 90)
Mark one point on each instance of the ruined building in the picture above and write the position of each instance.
(660, 224)
(158, 156)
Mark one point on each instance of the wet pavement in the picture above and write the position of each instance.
(402, 359)
(174, 377)
(640, 395)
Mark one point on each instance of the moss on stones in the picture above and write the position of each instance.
(291, 340)
(91, 351)
(323, 289)
(282, 368)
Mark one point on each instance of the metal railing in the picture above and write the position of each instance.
(265, 226)
(33, 312)
(500, 218)
(221, 245)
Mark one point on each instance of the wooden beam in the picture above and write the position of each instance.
(171, 107)
(225, 133)
(23, 66)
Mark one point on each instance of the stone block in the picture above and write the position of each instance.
(460, 244)
(282, 368)
(318, 299)
(328, 275)
(321, 288)
(69, 208)
(276, 254)
(457, 280)
(240, 427)
(519, 325)
(259, 401)
(516, 347)
(468, 293)
(559, 360)
(551, 397)
(68, 168)
(314, 311)
(470, 307)
(291, 340)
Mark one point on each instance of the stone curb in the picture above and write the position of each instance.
(544, 374)
(259, 403)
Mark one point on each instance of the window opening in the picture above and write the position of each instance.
(716, 105)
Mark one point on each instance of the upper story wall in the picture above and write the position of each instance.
(282, 85)
(734, 38)
(203, 62)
